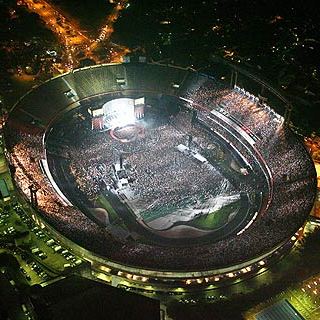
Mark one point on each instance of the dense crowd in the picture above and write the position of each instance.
(160, 175)
(292, 178)
(241, 107)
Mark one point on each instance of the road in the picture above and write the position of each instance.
(76, 41)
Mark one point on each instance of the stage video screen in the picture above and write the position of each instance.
(118, 113)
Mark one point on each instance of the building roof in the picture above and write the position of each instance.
(281, 310)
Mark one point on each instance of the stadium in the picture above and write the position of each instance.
(160, 176)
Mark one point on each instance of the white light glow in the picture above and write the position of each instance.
(119, 112)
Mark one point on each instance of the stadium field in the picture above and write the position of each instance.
(113, 217)
(216, 219)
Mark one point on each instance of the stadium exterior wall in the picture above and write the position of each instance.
(168, 280)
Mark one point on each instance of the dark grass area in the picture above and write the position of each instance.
(77, 298)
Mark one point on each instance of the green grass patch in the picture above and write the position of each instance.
(215, 219)
(104, 203)
(159, 212)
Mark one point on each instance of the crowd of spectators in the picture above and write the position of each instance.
(240, 106)
(150, 162)
(292, 176)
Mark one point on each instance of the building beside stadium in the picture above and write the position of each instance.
(161, 177)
